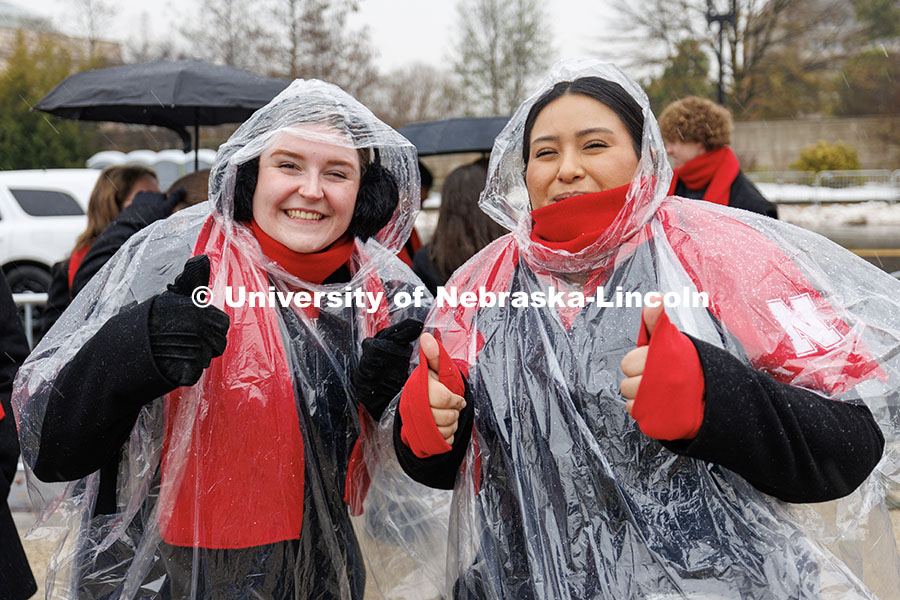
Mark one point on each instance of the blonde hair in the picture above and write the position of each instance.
(112, 189)
(695, 119)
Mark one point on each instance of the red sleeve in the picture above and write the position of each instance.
(2, 413)
(419, 431)
(669, 403)
(763, 297)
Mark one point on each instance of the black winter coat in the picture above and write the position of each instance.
(144, 210)
(16, 580)
(91, 414)
(743, 195)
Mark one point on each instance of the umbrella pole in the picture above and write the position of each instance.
(196, 143)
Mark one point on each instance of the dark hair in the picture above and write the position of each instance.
(606, 92)
(376, 199)
(462, 228)
(426, 179)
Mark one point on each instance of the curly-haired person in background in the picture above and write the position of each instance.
(697, 133)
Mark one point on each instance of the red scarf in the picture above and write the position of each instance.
(714, 170)
(235, 479)
(314, 267)
(74, 262)
(575, 223)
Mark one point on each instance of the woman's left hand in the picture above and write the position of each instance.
(384, 365)
(671, 403)
(635, 361)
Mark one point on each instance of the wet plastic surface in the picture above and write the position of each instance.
(246, 484)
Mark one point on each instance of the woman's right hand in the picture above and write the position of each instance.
(185, 337)
(445, 405)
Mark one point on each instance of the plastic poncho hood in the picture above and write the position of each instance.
(560, 494)
(505, 197)
(251, 482)
(321, 112)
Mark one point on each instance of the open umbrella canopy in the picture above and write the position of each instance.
(449, 136)
(171, 94)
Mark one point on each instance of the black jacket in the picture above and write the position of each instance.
(16, 580)
(427, 271)
(93, 409)
(743, 195)
(786, 441)
(146, 208)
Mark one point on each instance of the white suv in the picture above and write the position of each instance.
(42, 212)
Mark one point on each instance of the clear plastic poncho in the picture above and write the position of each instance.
(250, 483)
(560, 494)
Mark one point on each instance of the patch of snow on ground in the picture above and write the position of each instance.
(817, 216)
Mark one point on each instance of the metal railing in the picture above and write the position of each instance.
(29, 301)
(843, 179)
(783, 177)
(807, 187)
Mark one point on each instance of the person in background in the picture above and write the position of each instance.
(115, 189)
(697, 134)
(16, 579)
(462, 228)
(146, 208)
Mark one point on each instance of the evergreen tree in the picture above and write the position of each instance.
(32, 139)
(686, 74)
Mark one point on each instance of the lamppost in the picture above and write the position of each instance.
(722, 19)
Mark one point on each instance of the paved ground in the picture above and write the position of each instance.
(39, 551)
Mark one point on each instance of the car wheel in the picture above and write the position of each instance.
(28, 278)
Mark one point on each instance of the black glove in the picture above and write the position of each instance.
(147, 207)
(184, 338)
(384, 365)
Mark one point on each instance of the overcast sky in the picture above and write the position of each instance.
(403, 31)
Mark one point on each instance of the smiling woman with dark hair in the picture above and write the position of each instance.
(650, 381)
(219, 451)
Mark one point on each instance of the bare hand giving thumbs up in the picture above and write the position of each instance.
(445, 405)
(664, 380)
(634, 362)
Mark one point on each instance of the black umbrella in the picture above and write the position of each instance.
(171, 94)
(449, 136)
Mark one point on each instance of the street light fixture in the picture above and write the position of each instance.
(723, 19)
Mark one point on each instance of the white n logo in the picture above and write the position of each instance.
(803, 325)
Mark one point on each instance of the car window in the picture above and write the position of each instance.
(46, 203)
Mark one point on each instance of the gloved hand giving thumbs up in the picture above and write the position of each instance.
(664, 383)
(184, 338)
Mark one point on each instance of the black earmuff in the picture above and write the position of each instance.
(376, 200)
(244, 188)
